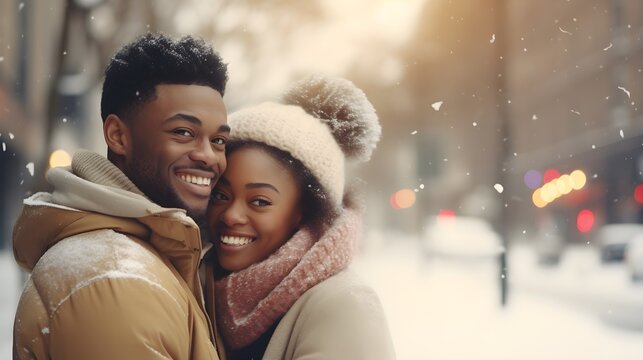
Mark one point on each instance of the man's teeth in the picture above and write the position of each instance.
(198, 180)
(236, 240)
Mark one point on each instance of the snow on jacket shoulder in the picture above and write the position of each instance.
(113, 276)
(340, 318)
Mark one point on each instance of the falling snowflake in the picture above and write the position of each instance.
(436, 105)
(493, 38)
(564, 31)
(499, 188)
(608, 47)
(534, 117)
(475, 123)
(1, 58)
(421, 186)
(11, 136)
(64, 120)
(621, 133)
(414, 132)
(21, 6)
(4, 147)
(575, 112)
(624, 90)
(30, 168)
(524, 231)
(593, 146)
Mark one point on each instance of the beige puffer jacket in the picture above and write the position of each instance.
(113, 275)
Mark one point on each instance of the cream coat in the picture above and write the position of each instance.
(113, 275)
(340, 318)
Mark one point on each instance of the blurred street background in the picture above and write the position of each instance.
(505, 200)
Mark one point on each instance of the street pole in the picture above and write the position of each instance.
(505, 143)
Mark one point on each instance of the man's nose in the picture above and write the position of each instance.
(204, 153)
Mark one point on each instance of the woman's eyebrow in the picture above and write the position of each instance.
(261, 185)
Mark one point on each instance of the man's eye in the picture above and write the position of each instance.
(183, 132)
(219, 141)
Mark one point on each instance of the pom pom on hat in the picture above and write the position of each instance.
(322, 122)
(344, 108)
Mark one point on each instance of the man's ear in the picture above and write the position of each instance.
(117, 135)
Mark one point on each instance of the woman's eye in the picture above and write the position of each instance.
(218, 196)
(260, 202)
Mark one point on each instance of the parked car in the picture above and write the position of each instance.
(634, 257)
(614, 238)
(462, 237)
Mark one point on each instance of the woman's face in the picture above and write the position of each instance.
(255, 208)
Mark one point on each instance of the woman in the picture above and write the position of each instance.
(285, 231)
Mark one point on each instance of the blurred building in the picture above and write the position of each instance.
(52, 55)
(478, 94)
(574, 75)
(524, 86)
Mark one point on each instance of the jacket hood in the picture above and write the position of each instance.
(93, 194)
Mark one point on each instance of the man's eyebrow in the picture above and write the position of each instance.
(194, 120)
(224, 128)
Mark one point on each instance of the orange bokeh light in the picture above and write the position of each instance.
(403, 199)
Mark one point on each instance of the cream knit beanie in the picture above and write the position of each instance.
(320, 122)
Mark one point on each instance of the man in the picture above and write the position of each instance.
(112, 254)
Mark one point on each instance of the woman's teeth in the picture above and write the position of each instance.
(236, 240)
(198, 180)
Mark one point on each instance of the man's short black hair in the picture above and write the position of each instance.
(134, 72)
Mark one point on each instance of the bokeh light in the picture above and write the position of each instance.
(536, 197)
(59, 158)
(564, 184)
(533, 179)
(550, 174)
(638, 194)
(403, 199)
(578, 179)
(585, 220)
(446, 215)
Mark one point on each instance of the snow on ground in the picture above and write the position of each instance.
(445, 309)
(11, 287)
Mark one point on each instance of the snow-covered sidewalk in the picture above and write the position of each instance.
(443, 309)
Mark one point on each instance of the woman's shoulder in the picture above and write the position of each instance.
(346, 285)
(340, 318)
(344, 295)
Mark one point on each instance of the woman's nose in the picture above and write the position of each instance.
(234, 215)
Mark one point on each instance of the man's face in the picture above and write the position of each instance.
(177, 147)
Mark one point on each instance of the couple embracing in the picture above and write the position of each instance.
(202, 236)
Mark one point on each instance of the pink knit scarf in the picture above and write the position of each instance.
(248, 302)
